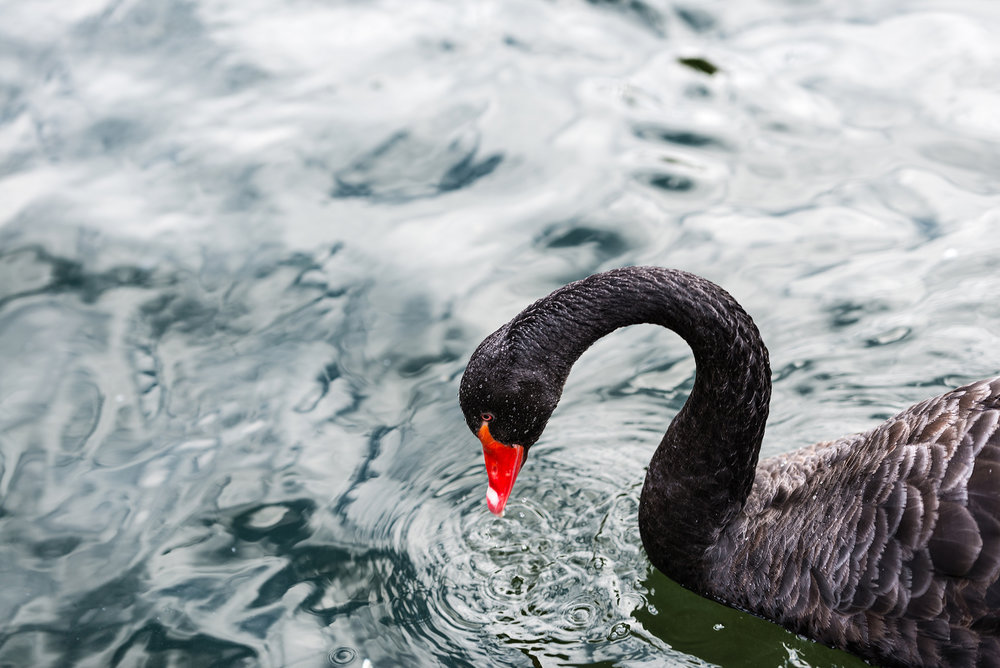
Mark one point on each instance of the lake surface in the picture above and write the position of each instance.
(246, 249)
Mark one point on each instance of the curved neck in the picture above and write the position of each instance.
(703, 469)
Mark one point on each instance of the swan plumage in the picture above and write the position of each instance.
(884, 543)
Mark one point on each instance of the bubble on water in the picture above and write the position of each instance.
(619, 631)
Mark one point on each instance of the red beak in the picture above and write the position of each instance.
(502, 465)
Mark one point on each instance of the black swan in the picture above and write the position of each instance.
(885, 544)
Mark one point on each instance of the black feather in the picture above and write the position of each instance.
(885, 543)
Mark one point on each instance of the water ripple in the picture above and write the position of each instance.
(246, 249)
(538, 578)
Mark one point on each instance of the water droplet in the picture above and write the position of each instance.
(343, 656)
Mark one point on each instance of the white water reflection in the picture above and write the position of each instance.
(246, 249)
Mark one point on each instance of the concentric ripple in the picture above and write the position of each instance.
(557, 578)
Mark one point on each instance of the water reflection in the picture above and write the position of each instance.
(405, 167)
(246, 250)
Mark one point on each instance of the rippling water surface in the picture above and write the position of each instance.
(247, 247)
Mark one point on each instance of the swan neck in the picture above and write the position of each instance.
(702, 471)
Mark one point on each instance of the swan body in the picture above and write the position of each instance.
(885, 543)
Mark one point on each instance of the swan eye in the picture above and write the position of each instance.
(486, 417)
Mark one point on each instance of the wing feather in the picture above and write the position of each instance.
(900, 529)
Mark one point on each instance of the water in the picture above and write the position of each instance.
(246, 249)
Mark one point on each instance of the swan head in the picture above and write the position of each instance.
(506, 405)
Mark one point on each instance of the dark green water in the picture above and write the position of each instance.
(247, 248)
